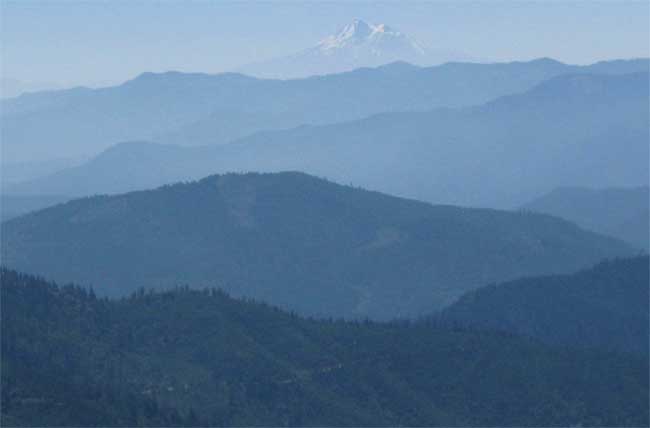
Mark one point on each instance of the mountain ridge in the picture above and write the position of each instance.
(552, 142)
(622, 212)
(297, 241)
(85, 121)
(200, 358)
(605, 306)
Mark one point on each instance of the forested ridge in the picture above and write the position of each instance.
(295, 241)
(605, 306)
(198, 357)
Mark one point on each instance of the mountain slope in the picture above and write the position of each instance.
(605, 306)
(565, 131)
(620, 212)
(295, 241)
(13, 173)
(15, 205)
(358, 44)
(166, 106)
(193, 358)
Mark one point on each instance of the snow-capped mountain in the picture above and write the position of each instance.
(362, 38)
(358, 44)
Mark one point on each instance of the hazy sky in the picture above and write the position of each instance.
(92, 42)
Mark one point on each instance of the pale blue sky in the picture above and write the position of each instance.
(72, 42)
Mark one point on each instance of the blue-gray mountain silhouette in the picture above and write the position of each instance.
(296, 241)
(620, 212)
(167, 107)
(573, 130)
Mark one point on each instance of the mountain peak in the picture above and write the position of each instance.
(357, 29)
(376, 39)
(362, 29)
(383, 28)
(356, 32)
(357, 44)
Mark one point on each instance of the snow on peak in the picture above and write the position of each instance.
(383, 28)
(353, 33)
(357, 44)
(358, 29)
(359, 32)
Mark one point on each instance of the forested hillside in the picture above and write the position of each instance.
(199, 358)
(605, 307)
(296, 241)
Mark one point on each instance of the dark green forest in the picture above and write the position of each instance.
(199, 357)
(606, 307)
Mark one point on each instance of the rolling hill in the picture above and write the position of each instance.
(604, 307)
(200, 358)
(296, 241)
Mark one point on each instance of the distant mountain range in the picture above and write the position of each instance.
(295, 241)
(196, 109)
(603, 307)
(10, 87)
(358, 44)
(565, 131)
(15, 205)
(17, 172)
(620, 212)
